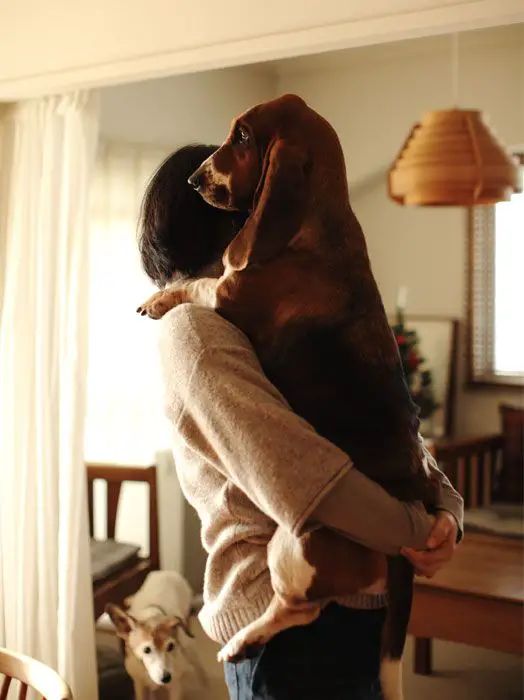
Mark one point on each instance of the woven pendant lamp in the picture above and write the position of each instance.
(452, 158)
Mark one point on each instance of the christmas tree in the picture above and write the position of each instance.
(419, 378)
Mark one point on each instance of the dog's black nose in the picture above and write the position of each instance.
(166, 677)
(196, 180)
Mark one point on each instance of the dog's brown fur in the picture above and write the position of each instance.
(298, 282)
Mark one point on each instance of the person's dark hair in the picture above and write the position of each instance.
(178, 231)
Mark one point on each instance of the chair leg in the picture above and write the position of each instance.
(422, 662)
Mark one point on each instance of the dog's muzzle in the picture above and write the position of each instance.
(197, 179)
(212, 185)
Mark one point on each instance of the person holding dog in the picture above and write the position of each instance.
(247, 463)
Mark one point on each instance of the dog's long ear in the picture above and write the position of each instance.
(123, 622)
(175, 621)
(280, 202)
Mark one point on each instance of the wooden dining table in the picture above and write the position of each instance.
(476, 599)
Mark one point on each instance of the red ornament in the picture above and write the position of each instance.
(413, 360)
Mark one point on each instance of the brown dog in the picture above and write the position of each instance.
(298, 282)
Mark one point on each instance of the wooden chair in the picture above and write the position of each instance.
(490, 468)
(473, 467)
(31, 674)
(129, 570)
(484, 470)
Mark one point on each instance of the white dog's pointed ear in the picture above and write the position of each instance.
(174, 621)
(123, 622)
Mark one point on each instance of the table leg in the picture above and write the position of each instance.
(422, 662)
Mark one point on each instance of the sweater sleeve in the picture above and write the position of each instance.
(348, 506)
(450, 499)
(363, 511)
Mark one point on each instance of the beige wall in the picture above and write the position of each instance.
(182, 109)
(372, 96)
(57, 45)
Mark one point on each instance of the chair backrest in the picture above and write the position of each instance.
(31, 674)
(473, 467)
(510, 488)
(115, 476)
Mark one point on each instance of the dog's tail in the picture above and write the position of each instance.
(400, 592)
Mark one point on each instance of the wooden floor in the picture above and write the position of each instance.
(465, 673)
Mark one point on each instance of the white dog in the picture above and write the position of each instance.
(159, 653)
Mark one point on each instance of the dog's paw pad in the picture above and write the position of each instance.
(238, 649)
(231, 653)
(155, 307)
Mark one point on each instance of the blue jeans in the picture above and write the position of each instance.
(336, 657)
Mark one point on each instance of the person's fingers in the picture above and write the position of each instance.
(436, 556)
(440, 547)
(413, 556)
(427, 573)
(425, 568)
(442, 530)
(419, 556)
(408, 552)
(424, 559)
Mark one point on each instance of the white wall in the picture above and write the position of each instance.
(372, 96)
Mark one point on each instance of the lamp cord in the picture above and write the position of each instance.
(455, 68)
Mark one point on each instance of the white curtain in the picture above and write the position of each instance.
(48, 148)
(125, 421)
(125, 417)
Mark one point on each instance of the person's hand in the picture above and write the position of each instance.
(440, 546)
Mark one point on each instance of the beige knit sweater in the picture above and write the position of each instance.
(247, 463)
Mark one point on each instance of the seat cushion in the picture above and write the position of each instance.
(504, 519)
(109, 556)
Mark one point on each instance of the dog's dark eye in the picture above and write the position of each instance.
(241, 136)
(146, 650)
(170, 646)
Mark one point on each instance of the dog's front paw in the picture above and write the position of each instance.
(238, 648)
(232, 651)
(157, 305)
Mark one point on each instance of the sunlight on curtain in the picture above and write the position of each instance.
(46, 599)
(125, 420)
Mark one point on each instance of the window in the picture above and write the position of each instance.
(496, 291)
(125, 421)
